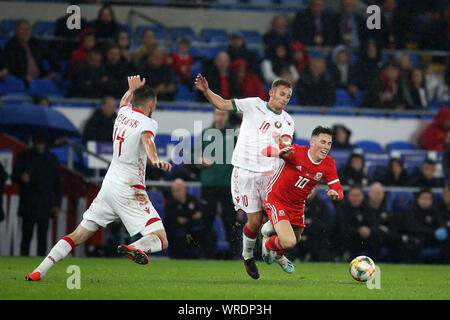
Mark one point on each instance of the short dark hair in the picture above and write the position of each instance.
(281, 82)
(319, 129)
(422, 190)
(142, 95)
(430, 162)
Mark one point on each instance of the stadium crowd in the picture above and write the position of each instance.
(350, 59)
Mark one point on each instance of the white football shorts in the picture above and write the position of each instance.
(248, 189)
(130, 204)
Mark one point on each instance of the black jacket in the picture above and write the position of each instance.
(87, 82)
(98, 127)
(419, 225)
(303, 28)
(311, 92)
(43, 191)
(3, 177)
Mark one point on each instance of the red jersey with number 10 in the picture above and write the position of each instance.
(297, 176)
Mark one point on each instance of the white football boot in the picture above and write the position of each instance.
(267, 231)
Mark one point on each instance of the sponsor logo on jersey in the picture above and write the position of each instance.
(237, 199)
(278, 124)
(318, 176)
(289, 123)
(281, 213)
(299, 168)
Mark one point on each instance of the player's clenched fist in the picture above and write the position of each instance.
(201, 83)
(135, 82)
(332, 194)
(164, 165)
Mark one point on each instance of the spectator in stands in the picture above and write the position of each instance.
(356, 227)
(123, 41)
(315, 244)
(100, 125)
(434, 134)
(66, 42)
(215, 174)
(368, 66)
(443, 210)
(182, 62)
(3, 65)
(384, 92)
(315, 87)
(41, 101)
(105, 26)
(278, 33)
(341, 137)
(148, 41)
(159, 74)
(88, 41)
(437, 89)
(237, 49)
(38, 175)
(387, 228)
(395, 174)
(279, 66)
(314, 27)
(393, 35)
(300, 56)
(446, 158)
(413, 91)
(183, 220)
(417, 226)
(248, 82)
(220, 79)
(340, 70)
(353, 173)
(426, 178)
(3, 178)
(88, 77)
(116, 72)
(432, 29)
(25, 55)
(404, 65)
(350, 25)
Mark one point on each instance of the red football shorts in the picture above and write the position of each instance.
(277, 211)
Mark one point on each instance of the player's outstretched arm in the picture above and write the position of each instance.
(216, 100)
(152, 154)
(134, 82)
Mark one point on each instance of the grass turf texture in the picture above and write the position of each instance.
(217, 280)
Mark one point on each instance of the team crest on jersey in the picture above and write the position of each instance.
(318, 176)
(278, 124)
(281, 213)
(299, 168)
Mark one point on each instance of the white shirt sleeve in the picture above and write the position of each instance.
(245, 105)
(149, 126)
(288, 127)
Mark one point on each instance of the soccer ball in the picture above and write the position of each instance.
(362, 268)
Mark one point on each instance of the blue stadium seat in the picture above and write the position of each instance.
(400, 145)
(210, 34)
(196, 52)
(44, 28)
(376, 161)
(398, 201)
(178, 33)
(340, 156)
(251, 36)
(184, 94)
(12, 86)
(157, 199)
(7, 26)
(45, 87)
(159, 31)
(301, 142)
(360, 96)
(343, 99)
(212, 52)
(222, 243)
(3, 42)
(367, 145)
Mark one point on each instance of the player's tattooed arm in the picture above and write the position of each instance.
(217, 101)
(152, 154)
(134, 82)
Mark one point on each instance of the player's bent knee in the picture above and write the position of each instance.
(288, 243)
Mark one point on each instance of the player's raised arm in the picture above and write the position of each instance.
(134, 82)
(152, 154)
(216, 100)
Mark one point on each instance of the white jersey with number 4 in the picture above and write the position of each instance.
(129, 157)
(261, 127)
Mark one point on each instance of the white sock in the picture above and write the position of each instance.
(148, 243)
(267, 229)
(61, 249)
(247, 246)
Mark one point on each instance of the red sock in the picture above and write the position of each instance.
(250, 233)
(280, 253)
(274, 243)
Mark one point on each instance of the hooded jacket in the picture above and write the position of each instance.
(433, 136)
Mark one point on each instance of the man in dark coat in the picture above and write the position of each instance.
(3, 177)
(99, 127)
(38, 175)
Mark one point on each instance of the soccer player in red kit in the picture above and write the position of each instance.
(295, 179)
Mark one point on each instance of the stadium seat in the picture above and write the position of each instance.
(301, 142)
(398, 201)
(7, 27)
(400, 145)
(212, 34)
(45, 87)
(184, 94)
(159, 31)
(157, 199)
(367, 145)
(12, 86)
(212, 52)
(196, 52)
(340, 156)
(178, 33)
(343, 99)
(44, 28)
(251, 36)
(222, 244)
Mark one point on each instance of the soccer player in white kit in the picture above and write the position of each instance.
(264, 124)
(123, 194)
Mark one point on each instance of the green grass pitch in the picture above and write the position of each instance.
(120, 278)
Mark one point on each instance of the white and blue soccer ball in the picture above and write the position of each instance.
(362, 268)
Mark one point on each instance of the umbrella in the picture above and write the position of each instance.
(22, 120)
